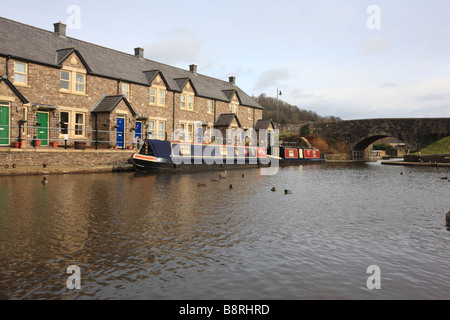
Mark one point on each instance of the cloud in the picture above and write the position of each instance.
(178, 47)
(271, 78)
(430, 97)
(416, 99)
(388, 85)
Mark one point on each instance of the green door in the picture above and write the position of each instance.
(43, 128)
(4, 123)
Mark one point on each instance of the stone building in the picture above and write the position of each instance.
(62, 88)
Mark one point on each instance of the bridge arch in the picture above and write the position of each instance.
(358, 135)
(365, 142)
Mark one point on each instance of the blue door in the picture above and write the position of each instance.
(120, 131)
(138, 132)
(200, 135)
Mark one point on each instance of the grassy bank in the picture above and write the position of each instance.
(439, 147)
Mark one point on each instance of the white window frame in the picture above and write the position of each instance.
(209, 107)
(24, 74)
(126, 90)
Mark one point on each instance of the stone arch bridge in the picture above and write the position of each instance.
(358, 135)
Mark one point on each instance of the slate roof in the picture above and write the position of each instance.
(108, 103)
(45, 47)
(226, 119)
(263, 124)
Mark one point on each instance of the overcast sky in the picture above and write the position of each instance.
(354, 59)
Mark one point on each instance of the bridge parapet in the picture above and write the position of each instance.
(358, 135)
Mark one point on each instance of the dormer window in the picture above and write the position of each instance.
(80, 83)
(72, 82)
(157, 97)
(187, 102)
(234, 108)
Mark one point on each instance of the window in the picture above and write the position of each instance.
(151, 129)
(249, 113)
(72, 82)
(161, 130)
(209, 106)
(157, 129)
(234, 108)
(183, 101)
(79, 124)
(187, 102)
(72, 123)
(183, 128)
(20, 73)
(152, 96)
(191, 103)
(126, 90)
(162, 97)
(65, 80)
(190, 129)
(64, 123)
(80, 83)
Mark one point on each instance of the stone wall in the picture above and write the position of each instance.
(48, 161)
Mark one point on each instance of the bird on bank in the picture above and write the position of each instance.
(231, 186)
(287, 192)
(273, 189)
(44, 181)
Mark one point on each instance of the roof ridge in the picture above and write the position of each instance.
(173, 71)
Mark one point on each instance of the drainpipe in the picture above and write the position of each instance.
(8, 57)
(173, 117)
(96, 132)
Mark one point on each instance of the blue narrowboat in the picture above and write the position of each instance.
(158, 155)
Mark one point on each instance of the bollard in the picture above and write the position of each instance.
(447, 219)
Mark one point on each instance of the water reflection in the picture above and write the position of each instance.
(163, 237)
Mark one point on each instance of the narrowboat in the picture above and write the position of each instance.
(158, 155)
(298, 156)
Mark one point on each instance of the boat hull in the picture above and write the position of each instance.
(154, 166)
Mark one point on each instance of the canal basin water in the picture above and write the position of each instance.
(164, 237)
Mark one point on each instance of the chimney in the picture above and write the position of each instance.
(193, 68)
(60, 29)
(139, 53)
(233, 80)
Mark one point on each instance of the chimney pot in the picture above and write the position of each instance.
(60, 29)
(139, 53)
(233, 80)
(193, 68)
